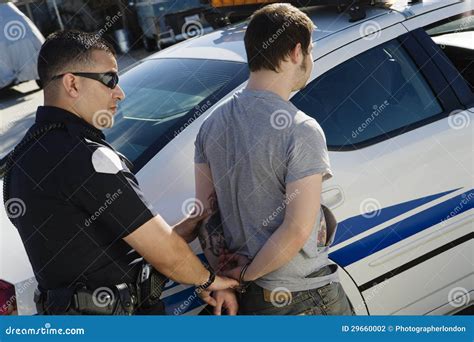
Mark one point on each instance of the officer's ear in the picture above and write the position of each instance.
(71, 85)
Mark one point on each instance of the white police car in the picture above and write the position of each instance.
(394, 95)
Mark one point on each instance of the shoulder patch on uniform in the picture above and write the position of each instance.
(105, 160)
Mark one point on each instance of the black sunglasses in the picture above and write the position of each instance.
(109, 79)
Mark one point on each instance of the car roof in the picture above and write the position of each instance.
(227, 43)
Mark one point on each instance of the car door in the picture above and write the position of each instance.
(402, 163)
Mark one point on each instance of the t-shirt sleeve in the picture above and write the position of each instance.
(100, 183)
(199, 150)
(307, 153)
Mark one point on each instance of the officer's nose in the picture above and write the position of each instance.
(118, 93)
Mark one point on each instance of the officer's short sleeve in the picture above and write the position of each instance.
(100, 183)
(308, 153)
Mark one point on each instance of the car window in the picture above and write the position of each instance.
(368, 96)
(455, 36)
(164, 96)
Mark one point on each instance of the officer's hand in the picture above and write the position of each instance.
(222, 283)
(187, 228)
(226, 299)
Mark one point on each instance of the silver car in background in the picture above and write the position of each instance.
(20, 42)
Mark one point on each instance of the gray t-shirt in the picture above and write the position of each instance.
(255, 143)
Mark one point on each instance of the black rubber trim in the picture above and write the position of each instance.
(448, 70)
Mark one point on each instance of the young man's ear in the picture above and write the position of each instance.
(295, 54)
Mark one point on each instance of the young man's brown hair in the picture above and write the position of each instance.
(273, 31)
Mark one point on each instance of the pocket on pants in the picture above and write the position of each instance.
(334, 299)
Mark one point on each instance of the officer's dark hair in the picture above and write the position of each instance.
(66, 51)
(273, 31)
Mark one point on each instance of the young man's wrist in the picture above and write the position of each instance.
(246, 274)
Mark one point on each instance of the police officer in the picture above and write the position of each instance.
(85, 223)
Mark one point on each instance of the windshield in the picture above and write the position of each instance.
(162, 95)
(463, 24)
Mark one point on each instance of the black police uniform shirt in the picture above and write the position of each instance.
(80, 200)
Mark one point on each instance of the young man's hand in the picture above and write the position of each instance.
(206, 297)
(231, 264)
(225, 299)
(219, 284)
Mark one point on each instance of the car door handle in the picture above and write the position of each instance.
(332, 197)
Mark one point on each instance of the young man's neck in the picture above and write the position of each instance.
(268, 80)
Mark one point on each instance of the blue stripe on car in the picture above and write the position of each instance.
(359, 224)
(403, 229)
